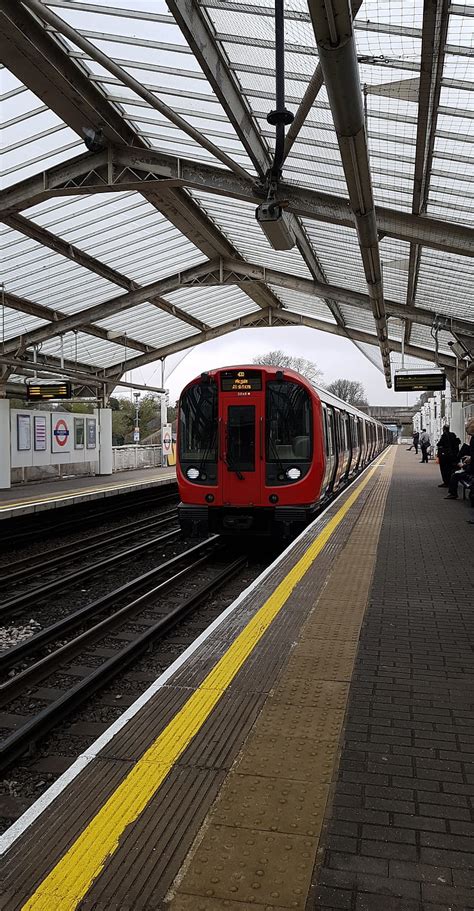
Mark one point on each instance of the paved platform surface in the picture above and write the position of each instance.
(400, 833)
(37, 497)
(315, 752)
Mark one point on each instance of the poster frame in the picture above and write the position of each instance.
(23, 426)
(91, 433)
(79, 423)
(40, 420)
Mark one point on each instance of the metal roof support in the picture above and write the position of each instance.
(284, 317)
(312, 91)
(433, 47)
(23, 305)
(39, 61)
(47, 239)
(332, 24)
(345, 296)
(366, 338)
(236, 272)
(195, 25)
(95, 54)
(71, 179)
(108, 308)
(250, 319)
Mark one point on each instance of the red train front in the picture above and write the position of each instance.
(259, 451)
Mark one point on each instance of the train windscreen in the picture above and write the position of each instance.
(198, 424)
(289, 436)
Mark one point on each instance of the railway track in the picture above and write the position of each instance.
(32, 597)
(42, 562)
(14, 534)
(134, 613)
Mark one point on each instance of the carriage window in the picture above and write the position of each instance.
(198, 423)
(289, 428)
(241, 438)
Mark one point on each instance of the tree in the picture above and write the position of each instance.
(349, 391)
(288, 362)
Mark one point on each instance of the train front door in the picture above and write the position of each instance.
(242, 450)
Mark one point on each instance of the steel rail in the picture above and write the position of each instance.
(35, 594)
(52, 662)
(89, 519)
(24, 738)
(37, 563)
(43, 637)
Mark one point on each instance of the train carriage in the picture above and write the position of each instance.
(261, 450)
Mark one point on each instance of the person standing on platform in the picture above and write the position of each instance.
(448, 454)
(416, 440)
(425, 444)
(466, 472)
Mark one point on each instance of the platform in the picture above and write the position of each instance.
(43, 495)
(313, 748)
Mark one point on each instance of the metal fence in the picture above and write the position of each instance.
(135, 457)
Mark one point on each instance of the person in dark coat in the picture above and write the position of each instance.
(416, 440)
(448, 454)
(466, 472)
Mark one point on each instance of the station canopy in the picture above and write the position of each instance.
(136, 148)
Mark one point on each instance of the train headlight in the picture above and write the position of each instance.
(192, 474)
(293, 474)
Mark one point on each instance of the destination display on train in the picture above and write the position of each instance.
(419, 382)
(241, 381)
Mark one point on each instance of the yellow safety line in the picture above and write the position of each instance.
(81, 491)
(72, 877)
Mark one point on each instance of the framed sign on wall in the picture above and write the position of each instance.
(23, 426)
(91, 433)
(79, 433)
(39, 433)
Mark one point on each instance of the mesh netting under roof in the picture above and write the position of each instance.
(70, 254)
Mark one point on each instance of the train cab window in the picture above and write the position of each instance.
(241, 437)
(198, 424)
(289, 426)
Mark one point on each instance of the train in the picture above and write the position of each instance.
(261, 451)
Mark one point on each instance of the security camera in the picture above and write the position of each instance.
(275, 224)
(94, 139)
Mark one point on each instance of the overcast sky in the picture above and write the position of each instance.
(335, 356)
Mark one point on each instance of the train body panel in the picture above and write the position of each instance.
(261, 449)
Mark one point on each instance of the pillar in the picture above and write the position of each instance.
(104, 420)
(5, 445)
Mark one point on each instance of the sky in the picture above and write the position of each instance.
(335, 356)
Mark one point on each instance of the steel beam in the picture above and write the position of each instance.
(197, 30)
(23, 305)
(261, 317)
(60, 82)
(333, 29)
(367, 338)
(164, 174)
(433, 48)
(108, 308)
(344, 296)
(59, 24)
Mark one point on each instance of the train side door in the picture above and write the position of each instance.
(242, 449)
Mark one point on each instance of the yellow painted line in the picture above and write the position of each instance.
(80, 492)
(72, 877)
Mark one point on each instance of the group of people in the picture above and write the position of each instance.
(456, 462)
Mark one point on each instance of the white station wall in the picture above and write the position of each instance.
(40, 438)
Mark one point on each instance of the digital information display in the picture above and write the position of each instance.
(241, 381)
(40, 391)
(419, 382)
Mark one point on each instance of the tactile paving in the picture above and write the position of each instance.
(273, 804)
(243, 864)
